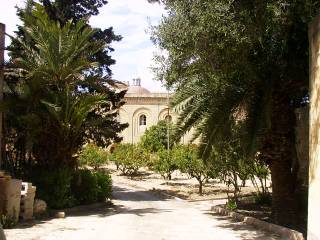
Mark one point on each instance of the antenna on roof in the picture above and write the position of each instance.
(136, 82)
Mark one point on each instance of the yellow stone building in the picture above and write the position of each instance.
(142, 110)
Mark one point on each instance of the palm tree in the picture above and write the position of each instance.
(47, 99)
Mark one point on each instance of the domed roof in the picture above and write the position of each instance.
(137, 89)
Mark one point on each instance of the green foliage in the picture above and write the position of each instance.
(231, 205)
(89, 186)
(165, 164)
(259, 171)
(104, 182)
(129, 158)
(240, 61)
(53, 186)
(7, 222)
(66, 10)
(53, 103)
(156, 137)
(93, 156)
(187, 158)
(84, 187)
(263, 199)
(65, 188)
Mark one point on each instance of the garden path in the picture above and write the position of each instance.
(140, 214)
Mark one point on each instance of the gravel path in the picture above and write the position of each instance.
(139, 214)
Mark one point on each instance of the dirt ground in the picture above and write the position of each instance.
(183, 187)
(180, 186)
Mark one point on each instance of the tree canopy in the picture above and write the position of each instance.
(54, 102)
(156, 137)
(242, 62)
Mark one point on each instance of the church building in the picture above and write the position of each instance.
(144, 109)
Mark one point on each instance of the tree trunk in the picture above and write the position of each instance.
(243, 183)
(279, 149)
(284, 207)
(200, 187)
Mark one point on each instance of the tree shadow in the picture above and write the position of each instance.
(125, 194)
(248, 232)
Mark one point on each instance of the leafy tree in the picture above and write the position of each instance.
(229, 163)
(51, 115)
(189, 162)
(64, 11)
(93, 156)
(129, 158)
(165, 164)
(156, 137)
(242, 60)
(259, 170)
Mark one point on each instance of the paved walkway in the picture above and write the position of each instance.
(141, 215)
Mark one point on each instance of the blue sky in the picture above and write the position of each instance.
(129, 18)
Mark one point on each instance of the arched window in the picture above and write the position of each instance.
(168, 118)
(142, 120)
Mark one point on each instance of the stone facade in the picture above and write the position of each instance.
(314, 134)
(144, 109)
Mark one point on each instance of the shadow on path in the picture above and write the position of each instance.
(125, 194)
(249, 232)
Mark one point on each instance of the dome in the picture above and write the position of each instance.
(137, 90)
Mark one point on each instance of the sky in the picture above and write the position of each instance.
(131, 19)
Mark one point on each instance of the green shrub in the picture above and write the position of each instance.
(89, 187)
(104, 182)
(7, 222)
(165, 164)
(84, 187)
(231, 204)
(263, 198)
(53, 186)
(129, 158)
(93, 156)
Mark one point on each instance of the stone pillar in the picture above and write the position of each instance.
(314, 134)
(27, 199)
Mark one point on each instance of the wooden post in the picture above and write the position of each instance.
(314, 132)
(2, 48)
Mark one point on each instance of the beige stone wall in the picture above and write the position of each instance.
(314, 150)
(154, 106)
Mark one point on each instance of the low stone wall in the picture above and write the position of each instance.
(282, 231)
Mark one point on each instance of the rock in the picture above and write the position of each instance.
(60, 215)
(39, 207)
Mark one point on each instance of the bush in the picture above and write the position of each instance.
(165, 164)
(263, 199)
(84, 187)
(93, 156)
(129, 158)
(90, 187)
(66, 188)
(53, 186)
(7, 222)
(231, 204)
(104, 182)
